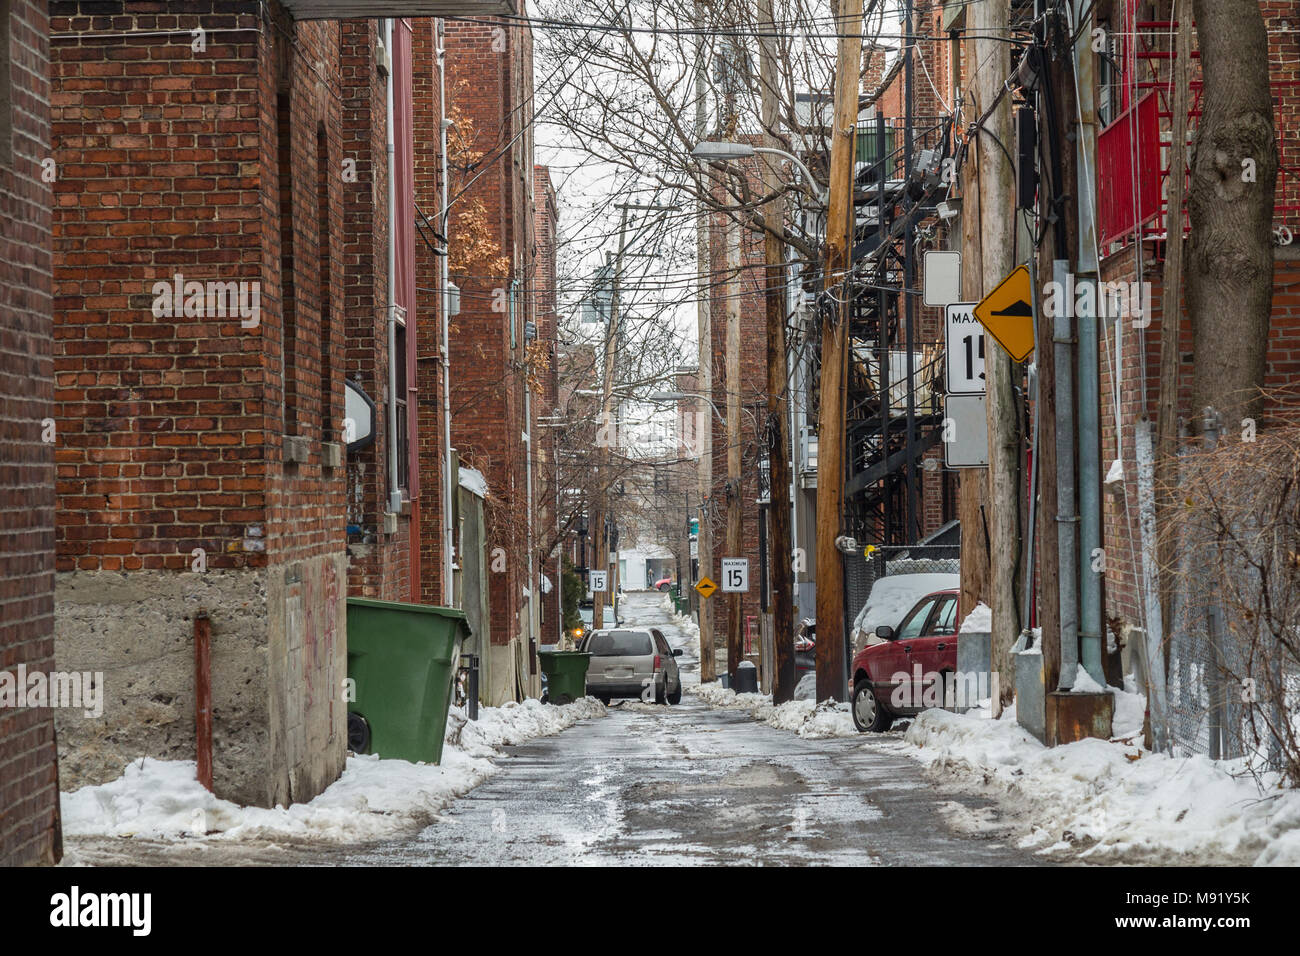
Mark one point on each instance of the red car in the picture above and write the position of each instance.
(904, 672)
(663, 584)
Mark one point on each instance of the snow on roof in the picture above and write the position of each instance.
(893, 596)
(473, 481)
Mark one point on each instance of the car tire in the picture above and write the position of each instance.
(664, 587)
(868, 715)
(676, 696)
(661, 687)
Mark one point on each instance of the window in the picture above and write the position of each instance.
(620, 644)
(326, 297)
(288, 301)
(399, 399)
(916, 620)
(945, 618)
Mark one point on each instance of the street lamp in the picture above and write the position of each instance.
(719, 152)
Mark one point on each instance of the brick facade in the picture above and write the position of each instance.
(29, 776)
(198, 464)
(489, 94)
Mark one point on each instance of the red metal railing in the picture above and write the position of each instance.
(1134, 150)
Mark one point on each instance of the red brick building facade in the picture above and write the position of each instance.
(29, 776)
(489, 97)
(199, 362)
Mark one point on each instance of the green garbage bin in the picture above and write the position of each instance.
(566, 675)
(400, 658)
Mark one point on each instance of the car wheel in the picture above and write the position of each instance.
(868, 715)
(663, 587)
(676, 696)
(660, 688)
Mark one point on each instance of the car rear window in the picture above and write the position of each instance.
(620, 644)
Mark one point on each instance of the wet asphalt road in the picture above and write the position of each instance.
(684, 785)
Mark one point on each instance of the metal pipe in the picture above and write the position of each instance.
(203, 698)
(449, 484)
(394, 494)
(1066, 551)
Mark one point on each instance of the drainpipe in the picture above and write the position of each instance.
(1066, 551)
(448, 479)
(1089, 384)
(394, 495)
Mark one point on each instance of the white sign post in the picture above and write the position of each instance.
(735, 574)
(597, 580)
(965, 357)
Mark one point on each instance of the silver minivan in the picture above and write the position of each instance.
(632, 662)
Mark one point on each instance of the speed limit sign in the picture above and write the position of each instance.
(735, 574)
(598, 581)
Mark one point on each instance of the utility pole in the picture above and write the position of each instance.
(834, 344)
(604, 436)
(779, 564)
(989, 22)
(735, 650)
(704, 471)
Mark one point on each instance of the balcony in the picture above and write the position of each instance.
(368, 9)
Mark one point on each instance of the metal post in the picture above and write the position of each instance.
(1067, 554)
(1157, 699)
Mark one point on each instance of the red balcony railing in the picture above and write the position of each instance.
(1133, 151)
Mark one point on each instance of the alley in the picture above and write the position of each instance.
(684, 785)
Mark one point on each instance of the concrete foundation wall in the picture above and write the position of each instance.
(276, 651)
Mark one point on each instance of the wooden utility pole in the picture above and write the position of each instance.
(704, 470)
(834, 345)
(989, 22)
(735, 650)
(781, 569)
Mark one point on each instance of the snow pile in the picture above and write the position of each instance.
(372, 799)
(1118, 801)
(978, 621)
(806, 689)
(804, 717)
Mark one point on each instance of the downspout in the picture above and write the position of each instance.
(1066, 552)
(449, 484)
(1089, 379)
(394, 494)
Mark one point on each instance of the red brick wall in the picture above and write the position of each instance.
(379, 563)
(489, 85)
(29, 777)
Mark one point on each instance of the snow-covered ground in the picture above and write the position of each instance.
(805, 717)
(373, 798)
(1114, 801)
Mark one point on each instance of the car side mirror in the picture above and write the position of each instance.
(677, 652)
(885, 632)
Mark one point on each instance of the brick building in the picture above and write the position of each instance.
(545, 382)
(29, 776)
(199, 362)
(489, 99)
(1130, 357)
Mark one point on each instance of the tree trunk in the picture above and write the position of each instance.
(1230, 204)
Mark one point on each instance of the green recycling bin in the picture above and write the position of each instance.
(400, 659)
(566, 675)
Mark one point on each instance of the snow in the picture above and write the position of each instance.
(805, 717)
(472, 480)
(1116, 472)
(806, 689)
(1084, 683)
(978, 621)
(1113, 799)
(372, 799)
(893, 596)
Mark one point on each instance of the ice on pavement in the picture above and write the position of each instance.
(373, 798)
(805, 717)
(1115, 799)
